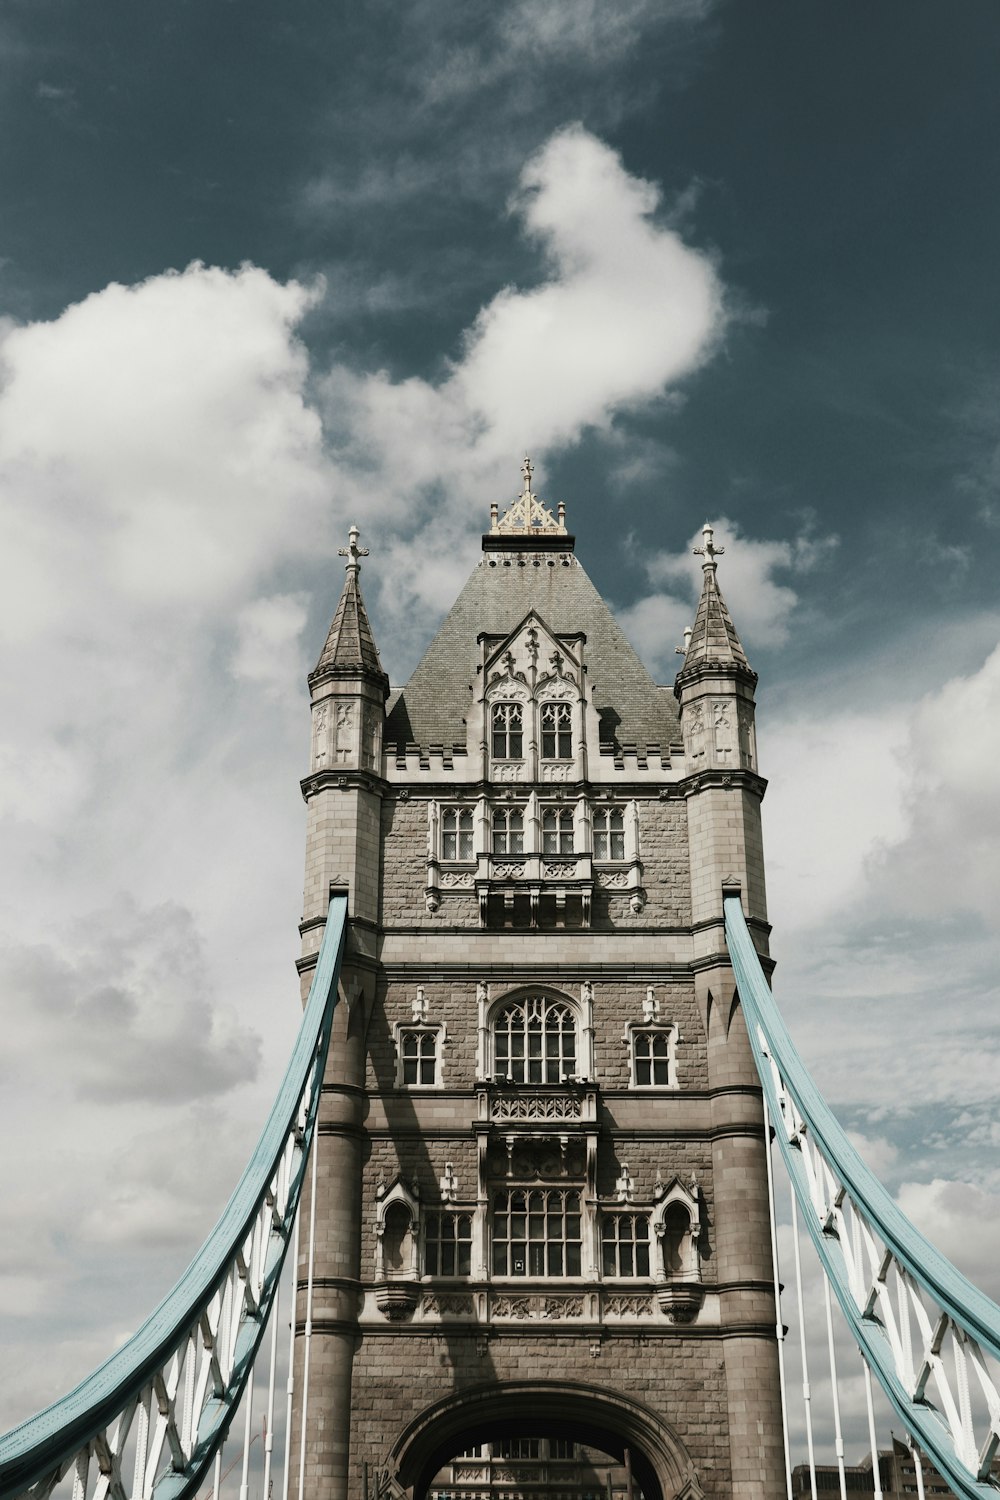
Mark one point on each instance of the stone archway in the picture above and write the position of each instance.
(568, 1409)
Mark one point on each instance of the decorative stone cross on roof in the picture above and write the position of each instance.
(527, 513)
(352, 551)
(709, 551)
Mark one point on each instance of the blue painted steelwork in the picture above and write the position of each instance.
(969, 1310)
(47, 1442)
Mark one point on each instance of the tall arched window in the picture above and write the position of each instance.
(508, 730)
(534, 1041)
(557, 831)
(609, 833)
(557, 734)
(456, 833)
(537, 1232)
(508, 830)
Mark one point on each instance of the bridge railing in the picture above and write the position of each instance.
(151, 1420)
(931, 1338)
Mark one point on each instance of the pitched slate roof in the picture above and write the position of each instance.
(506, 584)
(350, 644)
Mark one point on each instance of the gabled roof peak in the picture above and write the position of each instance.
(527, 516)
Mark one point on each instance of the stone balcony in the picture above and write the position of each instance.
(508, 880)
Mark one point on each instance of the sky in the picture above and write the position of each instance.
(266, 271)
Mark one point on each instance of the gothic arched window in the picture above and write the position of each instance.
(508, 830)
(447, 1243)
(534, 1041)
(537, 1232)
(609, 833)
(557, 831)
(625, 1244)
(456, 833)
(508, 731)
(557, 735)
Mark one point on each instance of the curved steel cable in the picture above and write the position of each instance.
(921, 1325)
(180, 1377)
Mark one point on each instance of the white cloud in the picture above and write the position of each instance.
(626, 311)
(268, 645)
(952, 771)
(960, 1219)
(761, 606)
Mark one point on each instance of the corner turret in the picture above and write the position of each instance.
(715, 691)
(348, 691)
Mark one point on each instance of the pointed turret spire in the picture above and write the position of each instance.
(713, 638)
(350, 645)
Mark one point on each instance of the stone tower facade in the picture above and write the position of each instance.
(541, 1202)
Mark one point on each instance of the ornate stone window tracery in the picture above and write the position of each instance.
(624, 1245)
(557, 830)
(609, 833)
(508, 830)
(507, 721)
(557, 733)
(535, 1041)
(537, 1232)
(447, 1243)
(457, 834)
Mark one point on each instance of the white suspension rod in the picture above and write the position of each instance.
(872, 1439)
(307, 1342)
(806, 1393)
(247, 1437)
(290, 1387)
(838, 1435)
(917, 1465)
(779, 1326)
(217, 1475)
(269, 1420)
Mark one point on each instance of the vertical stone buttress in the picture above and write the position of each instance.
(715, 690)
(343, 794)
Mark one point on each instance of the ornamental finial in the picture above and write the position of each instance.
(709, 551)
(527, 514)
(353, 552)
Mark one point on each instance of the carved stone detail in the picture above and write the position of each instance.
(680, 1300)
(448, 1302)
(553, 771)
(512, 1307)
(538, 1306)
(509, 871)
(458, 880)
(508, 770)
(344, 732)
(629, 1305)
(396, 1299)
(563, 869)
(535, 1107)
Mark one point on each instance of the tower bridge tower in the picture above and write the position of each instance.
(541, 1203)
